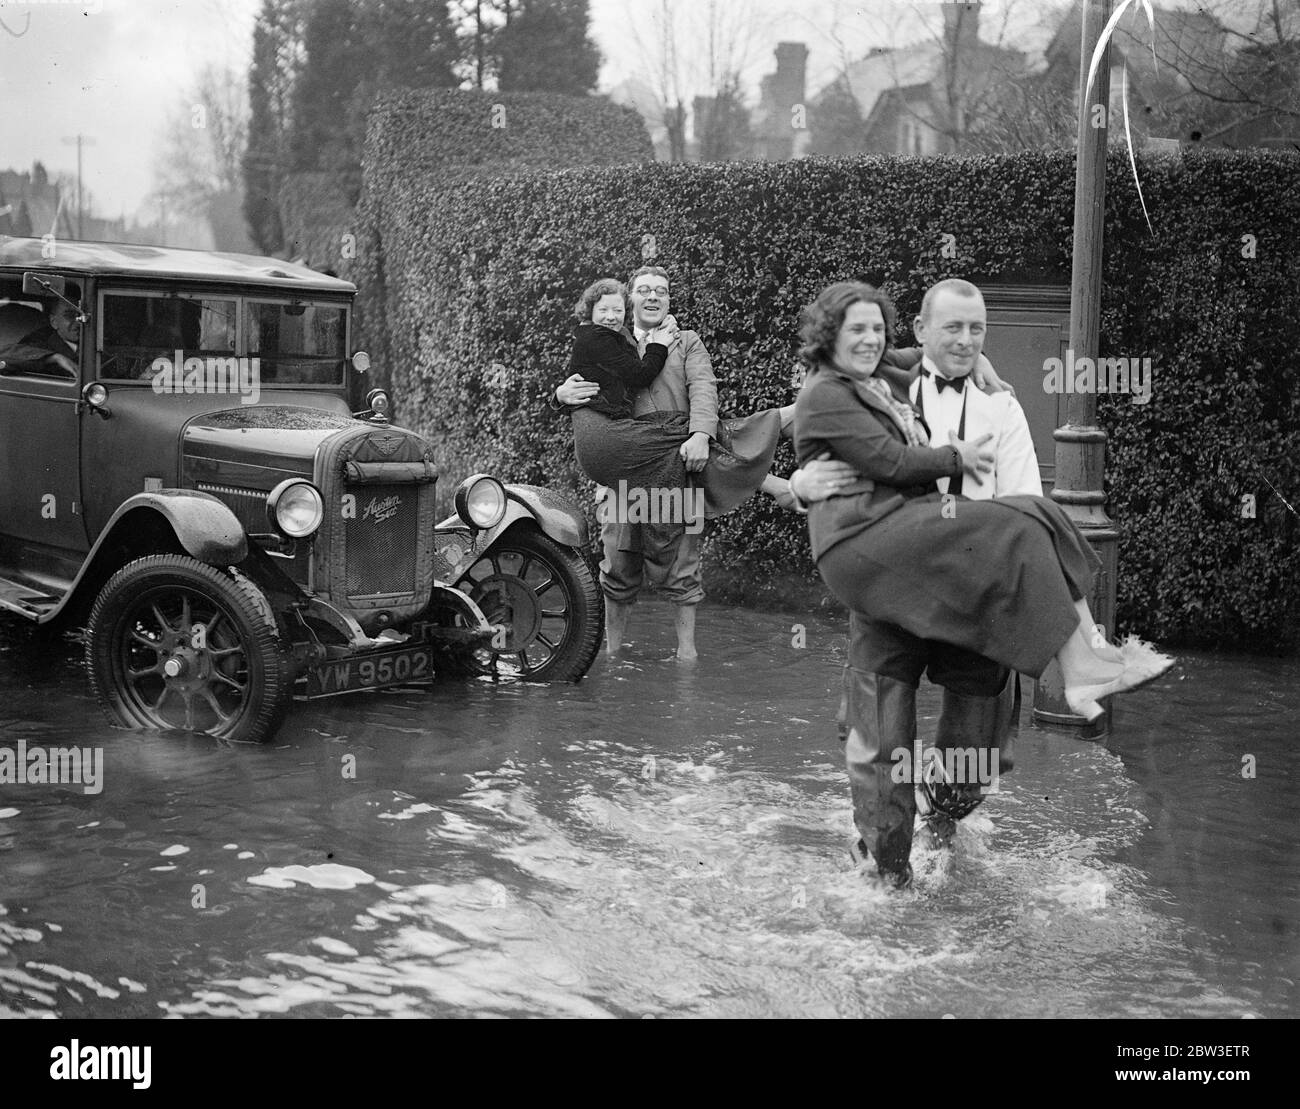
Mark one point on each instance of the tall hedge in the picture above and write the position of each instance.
(480, 276)
(427, 148)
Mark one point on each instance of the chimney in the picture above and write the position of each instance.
(788, 85)
(961, 27)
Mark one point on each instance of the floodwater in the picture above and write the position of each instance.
(656, 841)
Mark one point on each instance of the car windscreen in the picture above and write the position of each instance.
(139, 329)
(298, 344)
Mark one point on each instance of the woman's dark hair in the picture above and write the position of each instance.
(606, 286)
(821, 321)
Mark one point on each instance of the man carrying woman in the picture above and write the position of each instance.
(673, 432)
(998, 583)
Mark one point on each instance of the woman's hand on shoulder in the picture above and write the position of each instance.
(987, 380)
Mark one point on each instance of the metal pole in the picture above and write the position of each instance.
(1080, 443)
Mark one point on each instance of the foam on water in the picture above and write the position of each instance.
(322, 876)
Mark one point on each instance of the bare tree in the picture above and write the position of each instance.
(201, 172)
(957, 73)
(978, 75)
(1247, 92)
(695, 49)
(204, 142)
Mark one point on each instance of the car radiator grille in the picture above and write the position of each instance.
(381, 540)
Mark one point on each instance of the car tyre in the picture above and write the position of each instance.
(152, 667)
(547, 599)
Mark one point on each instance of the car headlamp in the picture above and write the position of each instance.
(481, 501)
(295, 508)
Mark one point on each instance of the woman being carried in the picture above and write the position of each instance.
(1005, 578)
(642, 452)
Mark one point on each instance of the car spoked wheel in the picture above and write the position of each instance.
(548, 603)
(173, 643)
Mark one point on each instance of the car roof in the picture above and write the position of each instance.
(136, 260)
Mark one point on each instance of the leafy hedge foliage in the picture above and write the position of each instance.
(317, 217)
(478, 274)
(424, 150)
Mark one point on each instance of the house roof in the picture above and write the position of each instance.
(916, 67)
(882, 70)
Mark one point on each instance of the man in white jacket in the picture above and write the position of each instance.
(980, 712)
(951, 330)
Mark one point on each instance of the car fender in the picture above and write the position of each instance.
(205, 528)
(557, 516)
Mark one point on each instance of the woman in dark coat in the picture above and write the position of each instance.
(1005, 578)
(613, 446)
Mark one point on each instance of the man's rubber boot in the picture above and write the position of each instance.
(983, 722)
(970, 724)
(881, 718)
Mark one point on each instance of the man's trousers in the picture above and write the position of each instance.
(880, 681)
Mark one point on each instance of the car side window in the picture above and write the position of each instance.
(28, 346)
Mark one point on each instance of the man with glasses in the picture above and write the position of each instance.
(665, 553)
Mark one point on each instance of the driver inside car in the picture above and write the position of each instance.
(51, 347)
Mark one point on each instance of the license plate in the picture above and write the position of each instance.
(371, 671)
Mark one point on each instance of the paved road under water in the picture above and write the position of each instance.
(656, 841)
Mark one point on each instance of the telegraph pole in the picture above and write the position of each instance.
(1080, 443)
(79, 140)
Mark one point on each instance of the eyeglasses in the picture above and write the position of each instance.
(646, 290)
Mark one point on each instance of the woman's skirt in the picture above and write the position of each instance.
(643, 452)
(998, 577)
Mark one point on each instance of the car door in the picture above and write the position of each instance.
(134, 444)
(41, 514)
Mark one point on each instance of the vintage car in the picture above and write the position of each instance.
(182, 473)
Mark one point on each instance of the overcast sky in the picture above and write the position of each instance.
(114, 70)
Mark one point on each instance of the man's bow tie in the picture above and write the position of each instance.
(956, 384)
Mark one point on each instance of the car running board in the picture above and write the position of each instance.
(24, 600)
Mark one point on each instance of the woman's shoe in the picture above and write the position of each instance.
(1142, 664)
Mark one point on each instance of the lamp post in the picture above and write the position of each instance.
(1080, 443)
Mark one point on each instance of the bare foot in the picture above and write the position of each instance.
(616, 618)
(685, 623)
